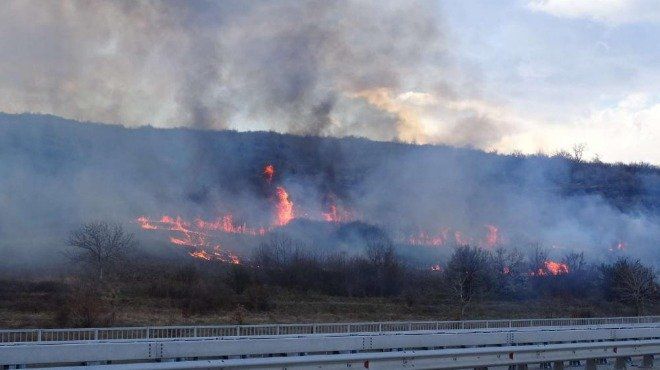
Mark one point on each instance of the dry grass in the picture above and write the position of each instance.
(28, 310)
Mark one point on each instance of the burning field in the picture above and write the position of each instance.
(221, 222)
(219, 196)
(202, 238)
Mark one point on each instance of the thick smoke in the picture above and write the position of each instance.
(57, 174)
(379, 69)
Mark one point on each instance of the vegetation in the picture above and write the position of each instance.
(282, 282)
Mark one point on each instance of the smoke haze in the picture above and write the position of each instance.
(57, 174)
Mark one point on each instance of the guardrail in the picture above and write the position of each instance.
(428, 359)
(268, 348)
(210, 331)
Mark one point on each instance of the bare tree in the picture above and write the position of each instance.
(100, 246)
(510, 270)
(575, 262)
(537, 258)
(469, 275)
(633, 283)
(578, 151)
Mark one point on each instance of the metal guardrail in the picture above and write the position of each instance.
(210, 331)
(555, 354)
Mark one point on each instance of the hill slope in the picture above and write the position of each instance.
(57, 173)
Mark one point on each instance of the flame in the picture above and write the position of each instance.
(551, 268)
(269, 173)
(197, 240)
(226, 224)
(336, 213)
(506, 270)
(145, 224)
(460, 239)
(493, 237)
(283, 207)
(425, 238)
(436, 267)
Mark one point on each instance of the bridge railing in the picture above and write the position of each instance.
(208, 331)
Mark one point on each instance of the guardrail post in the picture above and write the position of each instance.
(238, 330)
(647, 361)
(558, 365)
(620, 363)
(314, 329)
(591, 364)
(96, 334)
(195, 332)
(148, 334)
(39, 335)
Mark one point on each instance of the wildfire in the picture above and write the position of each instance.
(493, 237)
(551, 268)
(283, 207)
(337, 213)
(460, 239)
(436, 267)
(269, 173)
(192, 237)
(226, 224)
(424, 238)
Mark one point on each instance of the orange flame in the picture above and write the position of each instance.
(493, 237)
(551, 268)
(196, 240)
(283, 207)
(425, 238)
(336, 213)
(460, 239)
(226, 224)
(269, 173)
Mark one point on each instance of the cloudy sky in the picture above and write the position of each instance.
(506, 75)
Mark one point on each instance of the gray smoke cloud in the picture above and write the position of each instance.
(311, 67)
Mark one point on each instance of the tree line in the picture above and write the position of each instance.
(107, 263)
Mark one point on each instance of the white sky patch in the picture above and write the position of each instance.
(628, 131)
(608, 11)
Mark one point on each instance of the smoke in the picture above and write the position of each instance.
(57, 174)
(311, 67)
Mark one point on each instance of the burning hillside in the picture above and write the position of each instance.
(202, 191)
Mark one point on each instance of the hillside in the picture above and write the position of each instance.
(57, 173)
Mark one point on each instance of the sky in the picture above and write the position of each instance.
(506, 75)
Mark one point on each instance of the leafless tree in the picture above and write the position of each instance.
(537, 257)
(575, 262)
(510, 271)
(578, 151)
(469, 275)
(633, 284)
(100, 246)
